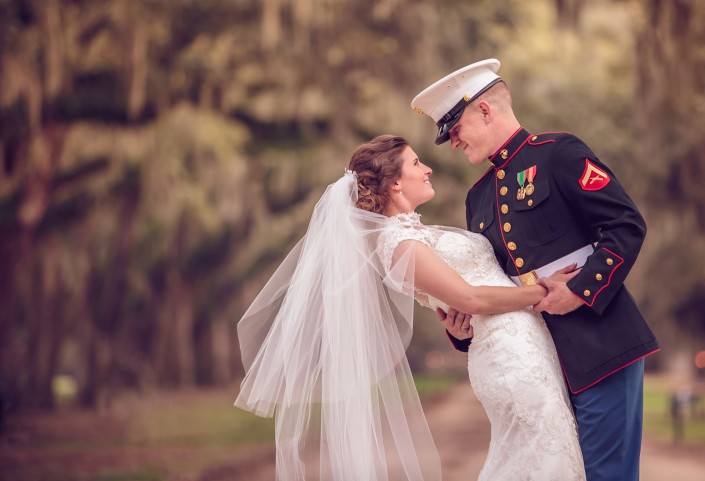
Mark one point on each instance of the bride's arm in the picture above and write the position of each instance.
(433, 276)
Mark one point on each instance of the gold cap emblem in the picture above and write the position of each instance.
(419, 111)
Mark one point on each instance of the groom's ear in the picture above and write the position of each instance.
(485, 109)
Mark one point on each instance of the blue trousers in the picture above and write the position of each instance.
(610, 416)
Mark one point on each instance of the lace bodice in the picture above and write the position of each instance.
(469, 254)
(512, 363)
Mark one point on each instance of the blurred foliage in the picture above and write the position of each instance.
(159, 157)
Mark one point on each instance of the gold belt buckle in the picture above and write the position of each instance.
(528, 279)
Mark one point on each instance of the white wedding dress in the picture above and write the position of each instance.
(512, 364)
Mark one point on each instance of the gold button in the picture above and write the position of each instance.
(519, 262)
(500, 174)
(530, 203)
(505, 208)
(512, 246)
(598, 277)
(586, 292)
(482, 225)
(609, 261)
(534, 138)
(507, 227)
(503, 190)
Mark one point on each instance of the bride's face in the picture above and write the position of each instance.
(414, 183)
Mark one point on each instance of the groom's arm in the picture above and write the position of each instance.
(458, 328)
(462, 345)
(597, 198)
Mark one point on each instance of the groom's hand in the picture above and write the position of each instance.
(456, 323)
(559, 300)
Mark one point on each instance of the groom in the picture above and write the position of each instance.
(545, 202)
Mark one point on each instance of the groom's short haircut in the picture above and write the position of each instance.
(498, 95)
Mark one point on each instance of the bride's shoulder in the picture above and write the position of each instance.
(399, 230)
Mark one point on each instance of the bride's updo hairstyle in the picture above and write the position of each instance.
(378, 164)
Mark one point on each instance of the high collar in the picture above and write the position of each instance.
(505, 153)
(406, 218)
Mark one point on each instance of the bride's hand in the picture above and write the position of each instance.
(565, 274)
(456, 323)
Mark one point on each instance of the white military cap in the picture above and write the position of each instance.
(445, 100)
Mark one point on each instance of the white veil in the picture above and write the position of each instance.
(323, 346)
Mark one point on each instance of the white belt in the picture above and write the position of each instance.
(579, 257)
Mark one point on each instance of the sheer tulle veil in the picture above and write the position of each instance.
(323, 345)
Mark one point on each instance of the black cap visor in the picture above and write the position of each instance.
(448, 121)
(451, 118)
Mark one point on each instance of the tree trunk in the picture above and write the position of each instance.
(271, 24)
(138, 70)
(45, 307)
(53, 48)
(213, 350)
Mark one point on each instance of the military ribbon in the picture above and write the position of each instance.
(521, 178)
(530, 174)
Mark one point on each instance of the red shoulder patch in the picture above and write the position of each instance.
(593, 178)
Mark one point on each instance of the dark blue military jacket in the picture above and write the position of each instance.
(574, 201)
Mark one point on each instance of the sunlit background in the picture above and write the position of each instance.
(158, 158)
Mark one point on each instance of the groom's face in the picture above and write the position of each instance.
(471, 134)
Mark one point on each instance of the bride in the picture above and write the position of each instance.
(324, 342)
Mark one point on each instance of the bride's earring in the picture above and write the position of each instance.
(400, 192)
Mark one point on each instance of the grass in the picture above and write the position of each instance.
(213, 421)
(144, 473)
(429, 386)
(211, 424)
(210, 421)
(657, 414)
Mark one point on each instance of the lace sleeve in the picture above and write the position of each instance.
(392, 237)
(389, 241)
